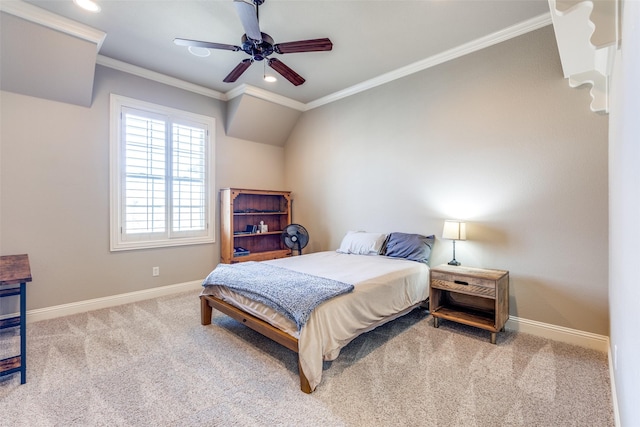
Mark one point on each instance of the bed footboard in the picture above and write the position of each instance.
(209, 302)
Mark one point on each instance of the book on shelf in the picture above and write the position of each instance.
(250, 229)
(240, 251)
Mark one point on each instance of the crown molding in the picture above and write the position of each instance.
(158, 77)
(47, 19)
(243, 89)
(457, 52)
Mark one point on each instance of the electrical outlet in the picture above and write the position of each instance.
(156, 271)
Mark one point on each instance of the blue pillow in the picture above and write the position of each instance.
(413, 247)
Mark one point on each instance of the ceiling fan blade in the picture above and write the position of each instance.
(237, 72)
(249, 17)
(286, 72)
(208, 45)
(314, 45)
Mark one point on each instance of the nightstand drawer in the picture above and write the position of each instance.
(469, 288)
(462, 279)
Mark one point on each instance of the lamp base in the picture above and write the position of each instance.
(453, 262)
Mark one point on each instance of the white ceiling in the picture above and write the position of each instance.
(370, 38)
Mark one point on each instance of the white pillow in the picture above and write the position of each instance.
(362, 243)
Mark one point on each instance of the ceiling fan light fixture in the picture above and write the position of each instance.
(88, 5)
(269, 78)
(201, 52)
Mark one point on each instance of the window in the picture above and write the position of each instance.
(161, 176)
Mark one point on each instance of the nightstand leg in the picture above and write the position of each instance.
(493, 337)
(435, 322)
(23, 332)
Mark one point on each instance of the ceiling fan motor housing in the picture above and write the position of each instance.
(258, 50)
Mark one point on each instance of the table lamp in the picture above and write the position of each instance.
(454, 230)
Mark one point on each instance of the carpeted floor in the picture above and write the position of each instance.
(152, 364)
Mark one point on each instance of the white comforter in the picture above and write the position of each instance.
(385, 288)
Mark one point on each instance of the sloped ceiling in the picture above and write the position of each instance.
(45, 61)
(259, 120)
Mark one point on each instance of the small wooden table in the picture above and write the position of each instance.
(474, 296)
(15, 270)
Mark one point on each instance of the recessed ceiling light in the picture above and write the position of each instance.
(89, 5)
(202, 52)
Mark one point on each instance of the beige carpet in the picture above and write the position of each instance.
(153, 364)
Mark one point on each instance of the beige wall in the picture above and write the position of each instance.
(497, 138)
(54, 188)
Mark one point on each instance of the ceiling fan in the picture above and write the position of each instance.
(259, 46)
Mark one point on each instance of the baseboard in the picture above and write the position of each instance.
(110, 301)
(559, 333)
(614, 395)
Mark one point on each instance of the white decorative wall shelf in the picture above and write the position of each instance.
(587, 36)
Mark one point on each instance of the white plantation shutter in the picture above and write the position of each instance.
(189, 185)
(144, 174)
(161, 176)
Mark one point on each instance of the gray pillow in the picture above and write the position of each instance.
(414, 247)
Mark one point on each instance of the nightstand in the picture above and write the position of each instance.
(473, 296)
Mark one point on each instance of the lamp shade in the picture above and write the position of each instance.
(454, 230)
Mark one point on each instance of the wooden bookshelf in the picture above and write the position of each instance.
(242, 208)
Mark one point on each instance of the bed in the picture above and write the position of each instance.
(389, 280)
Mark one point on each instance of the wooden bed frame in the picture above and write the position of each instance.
(209, 302)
